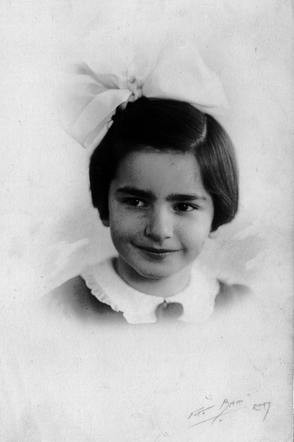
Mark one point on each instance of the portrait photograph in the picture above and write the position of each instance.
(147, 220)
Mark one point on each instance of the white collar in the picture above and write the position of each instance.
(137, 307)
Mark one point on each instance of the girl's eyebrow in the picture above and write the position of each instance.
(184, 197)
(139, 193)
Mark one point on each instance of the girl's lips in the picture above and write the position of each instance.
(156, 250)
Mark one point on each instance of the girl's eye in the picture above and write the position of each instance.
(134, 202)
(185, 207)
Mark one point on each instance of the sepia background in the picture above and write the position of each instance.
(48, 223)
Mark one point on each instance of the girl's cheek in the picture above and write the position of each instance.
(195, 235)
(116, 211)
(125, 221)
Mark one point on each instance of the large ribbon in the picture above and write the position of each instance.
(178, 73)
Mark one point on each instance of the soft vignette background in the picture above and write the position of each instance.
(44, 183)
(44, 187)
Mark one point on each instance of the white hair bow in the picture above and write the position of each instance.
(178, 73)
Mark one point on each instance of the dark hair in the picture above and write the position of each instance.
(169, 125)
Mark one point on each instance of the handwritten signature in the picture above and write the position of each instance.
(214, 413)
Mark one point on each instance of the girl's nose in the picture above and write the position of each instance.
(159, 225)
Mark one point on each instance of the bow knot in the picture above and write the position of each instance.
(135, 87)
(136, 91)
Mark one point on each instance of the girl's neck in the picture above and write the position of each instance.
(164, 287)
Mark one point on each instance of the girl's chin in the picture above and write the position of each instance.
(155, 272)
(152, 276)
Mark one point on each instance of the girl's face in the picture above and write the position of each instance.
(159, 213)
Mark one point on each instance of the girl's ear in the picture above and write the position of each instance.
(105, 222)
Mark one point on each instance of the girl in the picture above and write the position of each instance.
(163, 179)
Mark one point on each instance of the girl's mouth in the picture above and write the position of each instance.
(156, 252)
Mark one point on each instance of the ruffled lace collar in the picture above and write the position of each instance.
(137, 308)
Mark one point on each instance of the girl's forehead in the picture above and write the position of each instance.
(167, 172)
